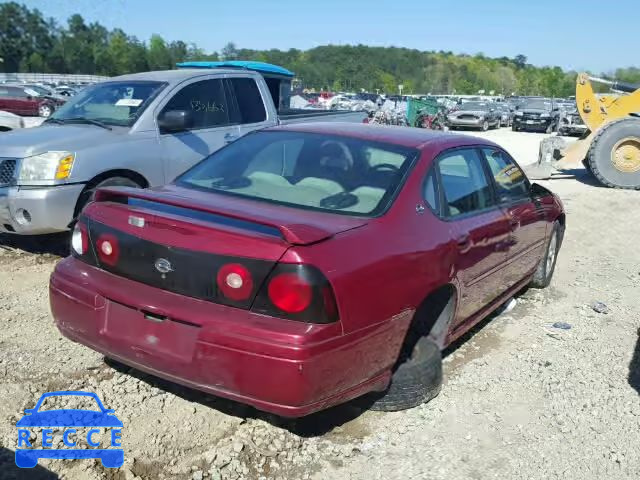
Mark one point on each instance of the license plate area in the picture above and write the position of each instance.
(530, 122)
(149, 333)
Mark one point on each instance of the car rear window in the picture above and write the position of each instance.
(306, 170)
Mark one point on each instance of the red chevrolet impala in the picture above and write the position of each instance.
(303, 266)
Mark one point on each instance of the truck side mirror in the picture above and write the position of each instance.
(174, 121)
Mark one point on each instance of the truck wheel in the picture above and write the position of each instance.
(546, 267)
(87, 195)
(416, 380)
(614, 154)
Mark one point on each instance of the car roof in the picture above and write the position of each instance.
(176, 76)
(404, 136)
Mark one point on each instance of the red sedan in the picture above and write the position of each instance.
(307, 265)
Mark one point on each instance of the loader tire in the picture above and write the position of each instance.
(614, 154)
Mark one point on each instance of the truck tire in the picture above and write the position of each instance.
(415, 381)
(87, 195)
(614, 154)
(544, 273)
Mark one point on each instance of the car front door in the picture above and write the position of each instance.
(526, 216)
(212, 127)
(480, 228)
(25, 102)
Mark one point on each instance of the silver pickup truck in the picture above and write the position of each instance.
(137, 130)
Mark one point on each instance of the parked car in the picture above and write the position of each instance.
(305, 265)
(25, 101)
(137, 130)
(536, 115)
(10, 121)
(506, 115)
(479, 115)
(66, 91)
(571, 123)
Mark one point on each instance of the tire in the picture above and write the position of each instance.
(415, 381)
(544, 273)
(514, 128)
(485, 126)
(87, 195)
(611, 137)
(45, 110)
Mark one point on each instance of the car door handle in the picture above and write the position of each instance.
(230, 137)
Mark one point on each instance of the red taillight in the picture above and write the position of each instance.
(235, 281)
(108, 249)
(290, 292)
(297, 292)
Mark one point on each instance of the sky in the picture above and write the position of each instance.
(568, 33)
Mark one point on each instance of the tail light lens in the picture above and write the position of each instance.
(235, 282)
(80, 239)
(297, 292)
(290, 292)
(108, 249)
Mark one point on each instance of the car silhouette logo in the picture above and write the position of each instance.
(66, 420)
(164, 266)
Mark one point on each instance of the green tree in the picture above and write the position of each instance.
(159, 56)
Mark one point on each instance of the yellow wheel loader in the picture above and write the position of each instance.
(610, 148)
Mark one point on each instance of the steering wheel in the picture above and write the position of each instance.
(385, 166)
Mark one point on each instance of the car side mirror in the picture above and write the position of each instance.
(174, 121)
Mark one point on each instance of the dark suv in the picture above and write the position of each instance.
(538, 115)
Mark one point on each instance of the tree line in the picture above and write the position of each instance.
(31, 43)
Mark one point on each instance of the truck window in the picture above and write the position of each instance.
(249, 100)
(207, 102)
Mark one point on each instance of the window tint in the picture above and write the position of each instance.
(509, 178)
(249, 100)
(464, 183)
(430, 192)
(205, 100)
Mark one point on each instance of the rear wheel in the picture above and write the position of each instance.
(416, 380)
(546, 267)
(614, 155)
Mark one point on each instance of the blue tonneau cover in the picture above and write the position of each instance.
(261, 67)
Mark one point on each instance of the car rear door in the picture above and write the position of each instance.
(212, 128)
(247, 102)
(526, 217)
(480, 228)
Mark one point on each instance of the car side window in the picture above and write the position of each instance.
(431, 193)
(205, 100)
(249, 100)
(464, 184)
(510, 180)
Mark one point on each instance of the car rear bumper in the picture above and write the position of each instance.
(48, 209)
(288, 368)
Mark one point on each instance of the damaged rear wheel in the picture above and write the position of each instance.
(415, 381)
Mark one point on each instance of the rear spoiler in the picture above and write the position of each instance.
(293, 234)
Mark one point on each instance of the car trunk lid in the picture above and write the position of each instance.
(179, 242)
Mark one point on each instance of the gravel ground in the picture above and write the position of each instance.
(522, 399)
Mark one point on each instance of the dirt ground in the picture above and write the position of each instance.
(522, 399)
